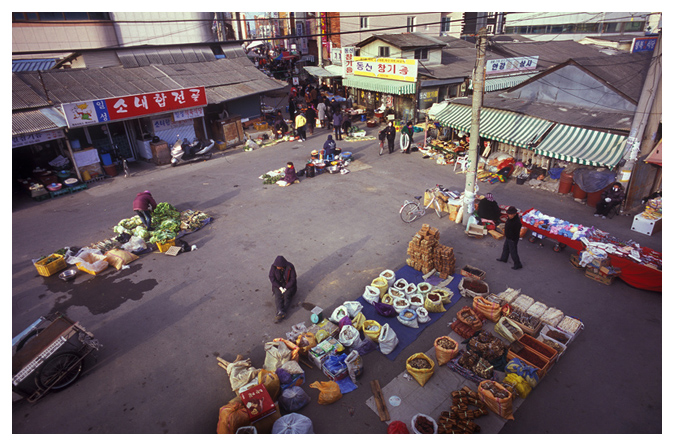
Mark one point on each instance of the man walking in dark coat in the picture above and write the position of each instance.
(390, 133)
(511, 238)
(284, 285)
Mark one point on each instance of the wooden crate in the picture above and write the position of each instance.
(599, 277)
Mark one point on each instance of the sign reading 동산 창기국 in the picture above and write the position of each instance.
(85, 113)
(386, 68)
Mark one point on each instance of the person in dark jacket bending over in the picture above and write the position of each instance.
(488, 209)
(610, 198)
(144, 203)
(284, 285)
(511, 238)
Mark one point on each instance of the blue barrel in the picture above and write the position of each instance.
(106, 159)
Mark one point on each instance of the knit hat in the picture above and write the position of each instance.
(512, 210)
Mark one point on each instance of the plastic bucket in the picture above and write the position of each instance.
(593, 198)
(110, 170)
(566, 182)
(578, 193)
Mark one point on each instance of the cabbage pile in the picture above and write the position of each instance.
(167, 222)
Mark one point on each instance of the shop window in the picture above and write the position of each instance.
(630, 27)
(610, 27)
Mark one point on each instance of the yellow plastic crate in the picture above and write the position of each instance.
(51, 264)
(166, 245)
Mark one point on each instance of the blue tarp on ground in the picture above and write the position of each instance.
(406, 334)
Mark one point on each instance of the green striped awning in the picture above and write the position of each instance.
(380, 85)
(507, 127)
(583, 146)
(504, 82)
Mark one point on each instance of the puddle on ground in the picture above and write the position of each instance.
(99, 294)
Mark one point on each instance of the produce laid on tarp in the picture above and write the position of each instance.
(131, 239)
(501, 344)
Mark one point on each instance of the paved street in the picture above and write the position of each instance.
(163, 321)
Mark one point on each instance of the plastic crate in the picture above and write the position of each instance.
(51, 264)
(163, 247)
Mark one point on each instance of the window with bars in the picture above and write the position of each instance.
(383, 51)
(363, 23)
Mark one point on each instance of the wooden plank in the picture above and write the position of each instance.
(379, 400)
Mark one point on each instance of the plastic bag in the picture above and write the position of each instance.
(386, 310)
(364, 346)
(240, 371)
(387, 339)
(348, 335)
(428, 420)
(306, 342)
(371, 294)
(503, 406)
(422, 315)
(492, 311)
(380, 284)
(293, 424)
(293, 399)
(408, 318)
(292, 367)
(354, 364)
(335, 363)
(276, 354)
(329, 392)
(519, 384)
(371, 329)
(527, 372)
(389, 276)
(358, 321)
(416, 300)
(91, 261)
(433, 305)
(397, 428)
(134, 244)
(401, 304)
(421, 375)
(444, 355)
(338, 314)
(353, 308)
(119, 258)
(270, 381)
(423, 288)
(231, 417)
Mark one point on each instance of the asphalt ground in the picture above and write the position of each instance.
(165, 320)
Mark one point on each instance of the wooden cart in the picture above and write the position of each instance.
(48, 356)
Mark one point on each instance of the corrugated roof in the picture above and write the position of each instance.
(31, 121)
(24, 97)
(405, 41)
(239, 75)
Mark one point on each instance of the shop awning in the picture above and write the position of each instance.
(380, 85)
(507, 127)
(583, 146)
(322, 72)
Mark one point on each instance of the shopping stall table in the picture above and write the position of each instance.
(634, 273)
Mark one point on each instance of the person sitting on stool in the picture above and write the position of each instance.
(610, 198)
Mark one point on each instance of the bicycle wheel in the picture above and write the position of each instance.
(410, 212)
(437, 208)
(61, 371)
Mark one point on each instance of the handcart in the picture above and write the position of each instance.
(49, 356)
(558, 247)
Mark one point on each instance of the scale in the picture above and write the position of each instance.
(317, 315)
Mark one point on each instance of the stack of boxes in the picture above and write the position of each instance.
(425, 253)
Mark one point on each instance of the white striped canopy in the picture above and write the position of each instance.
(507, 127)
(583, 146)
(380, 85)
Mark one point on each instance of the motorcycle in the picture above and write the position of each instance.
(186, 152)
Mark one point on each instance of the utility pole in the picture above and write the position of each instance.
(474, 138)
(641, 117)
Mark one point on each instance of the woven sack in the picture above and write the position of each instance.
(491, 311)
(502, 406)
(444, 355)
(421, 375)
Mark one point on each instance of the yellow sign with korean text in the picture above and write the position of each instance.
(386, 68)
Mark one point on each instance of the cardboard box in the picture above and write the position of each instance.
(258, 402)
(496, 234)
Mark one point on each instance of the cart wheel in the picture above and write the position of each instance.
(63, 368)
(532, 239)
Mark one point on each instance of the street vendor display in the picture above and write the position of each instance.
(639, 266)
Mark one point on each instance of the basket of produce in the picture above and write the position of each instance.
(472, 287)
(556, 334)
(571, 326)
(50, 265)
(508, 329)
(530, 325)
(472, 272)
(558, 346)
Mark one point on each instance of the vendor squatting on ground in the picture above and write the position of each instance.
(144, 203)
(284, 285)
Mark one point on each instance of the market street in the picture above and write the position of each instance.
(164, 320)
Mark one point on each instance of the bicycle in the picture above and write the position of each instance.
(413, 210)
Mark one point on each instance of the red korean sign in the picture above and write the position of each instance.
(125, 107)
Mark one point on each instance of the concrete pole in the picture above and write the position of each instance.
(474, 139)
(641, 116)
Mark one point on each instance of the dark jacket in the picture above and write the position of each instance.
(614, 196)
(283, 278)
(144, 202)
(337, 119)
(390, 132)
(311, 116)
(512, 228)
(489, 209)
(290, 175)
(330, 145)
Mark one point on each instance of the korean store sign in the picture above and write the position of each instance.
(511, 64)
(347, 61)
(386, 68)
(112, 109)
